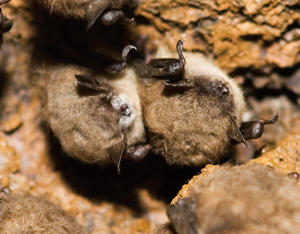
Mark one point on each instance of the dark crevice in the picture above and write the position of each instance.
(104, 184)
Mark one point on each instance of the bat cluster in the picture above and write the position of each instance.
(248, 199)
(192, 110)
(180, 106)
(185, 109)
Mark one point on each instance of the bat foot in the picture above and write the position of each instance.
(112, 16)
(254, 129)
(176, 66)
(100, 10)
(166, 68)
(138, 153)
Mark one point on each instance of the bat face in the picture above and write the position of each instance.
(191, 120)
(25, 213)
(95, 116)
(245, 199)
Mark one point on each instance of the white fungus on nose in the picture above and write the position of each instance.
(118, 102)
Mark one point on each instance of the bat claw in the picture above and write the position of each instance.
(120, 65)
(255, 129)
(176, 66)
(165, 67)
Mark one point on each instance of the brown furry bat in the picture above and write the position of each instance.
(25, 213)
(5, 24)
(248, 199)
(107, 11)
(195, 113)
(97, 116)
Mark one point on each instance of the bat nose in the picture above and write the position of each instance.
(125, 110)
(223, 89)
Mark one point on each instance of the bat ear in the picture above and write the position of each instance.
(183, 217)
(294, 175)
(116, 152)
(90, 83)
(93, 10)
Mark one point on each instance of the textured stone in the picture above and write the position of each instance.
(285, 157)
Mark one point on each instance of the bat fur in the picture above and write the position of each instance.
(247, 199)
(190, 126)
(89, 123)
(25, 213)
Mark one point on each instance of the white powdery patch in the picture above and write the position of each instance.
(117, 102)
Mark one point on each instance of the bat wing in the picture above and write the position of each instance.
(90, 83)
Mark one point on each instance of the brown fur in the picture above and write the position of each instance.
(188, 127)
(85, 121)
(249, 199)
(28, 214)
(75, 8)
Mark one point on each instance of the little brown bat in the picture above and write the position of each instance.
(247, 199)
(96, 115)
(107, 11)
(192, 109)
(5, 24)
(25, 213)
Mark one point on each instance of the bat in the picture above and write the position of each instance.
(106, 11)
(241, 199)
(5, 24)
(96, 114)
(26, 213)
(192, 109)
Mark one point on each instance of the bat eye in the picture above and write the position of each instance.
(220, 90)
(223, 90)
(125, 110)
(294, 175)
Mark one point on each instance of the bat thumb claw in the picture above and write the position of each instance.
(126, 51)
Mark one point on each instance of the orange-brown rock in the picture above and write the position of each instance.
(261, 36)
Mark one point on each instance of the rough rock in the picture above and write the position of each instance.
(261, 36)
